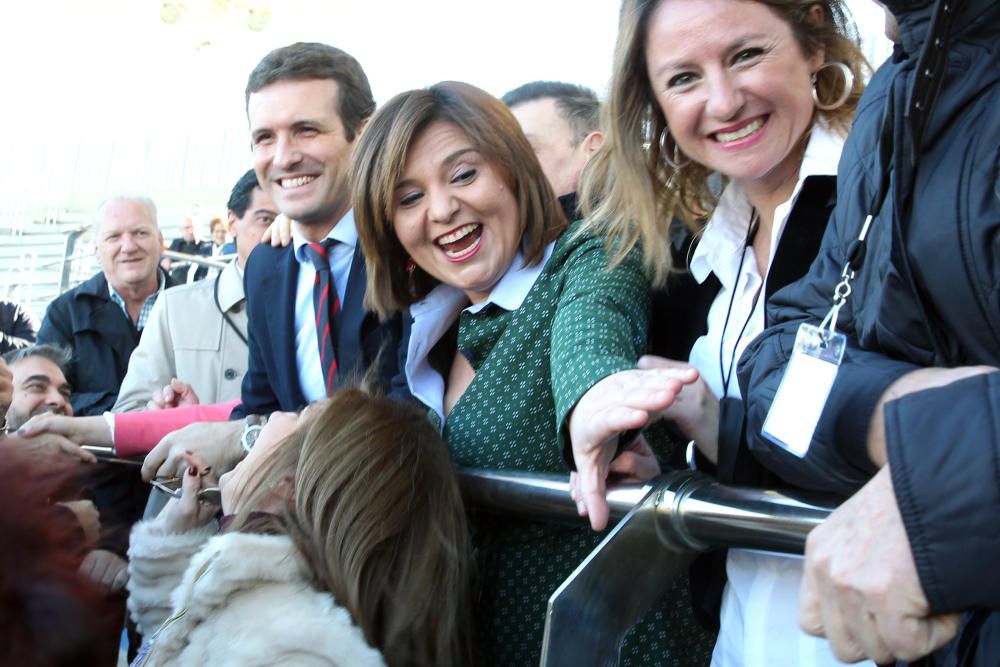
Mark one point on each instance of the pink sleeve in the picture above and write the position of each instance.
(136, 433)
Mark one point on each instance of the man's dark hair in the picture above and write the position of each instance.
(239, 198)
(60, 356)
(577, 105)
(304, 61)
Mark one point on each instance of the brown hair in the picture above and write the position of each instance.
(52, 615)
(378, 163)
(378, 516)
(627, 193)
(304, 61)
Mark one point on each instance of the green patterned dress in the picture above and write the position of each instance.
(578, 323)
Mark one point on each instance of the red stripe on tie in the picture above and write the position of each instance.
(319, 248)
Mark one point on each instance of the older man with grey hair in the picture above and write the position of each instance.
(101, 320)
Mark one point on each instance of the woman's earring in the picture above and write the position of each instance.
(846, 74)
(410, 265)
(674, 163)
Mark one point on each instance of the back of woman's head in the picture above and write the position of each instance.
(50, 615)
(628, 190)
(380, 157)
(378, 516)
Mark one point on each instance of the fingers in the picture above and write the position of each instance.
(591, 493)
(45, 423)
(284, 228)
(162, 460)
(119, 580)
(105, 568)
(686, 373)
(71, 449)
(156, 401)
(634, 468)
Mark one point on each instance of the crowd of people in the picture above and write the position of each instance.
(756, 257)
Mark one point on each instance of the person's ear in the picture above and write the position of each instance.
(592, 143)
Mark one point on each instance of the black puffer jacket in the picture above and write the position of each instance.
(927, 295)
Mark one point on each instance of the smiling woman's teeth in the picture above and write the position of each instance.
(461, 242)
(296, 182)
(745, 131)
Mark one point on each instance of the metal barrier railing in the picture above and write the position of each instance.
(217, 262)
(661, 527)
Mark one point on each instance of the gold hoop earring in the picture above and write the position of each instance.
(674, 163)
(848, 76)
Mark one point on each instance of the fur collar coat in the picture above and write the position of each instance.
(241, 599)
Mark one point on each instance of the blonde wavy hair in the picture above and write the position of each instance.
(377, 514)
(628, 194)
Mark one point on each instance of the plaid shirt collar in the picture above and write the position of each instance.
(147, 305)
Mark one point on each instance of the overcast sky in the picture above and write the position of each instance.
(97, 70)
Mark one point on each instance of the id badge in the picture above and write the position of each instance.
(803, 391)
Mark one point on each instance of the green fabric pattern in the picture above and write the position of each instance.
(579, 323)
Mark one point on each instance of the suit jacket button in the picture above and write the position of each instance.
(230, 374)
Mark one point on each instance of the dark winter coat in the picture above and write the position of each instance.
(926, 295)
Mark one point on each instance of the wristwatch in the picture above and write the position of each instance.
(252, 426)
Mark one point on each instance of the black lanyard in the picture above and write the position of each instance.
(225, 316)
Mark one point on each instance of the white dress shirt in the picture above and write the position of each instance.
(306, 346)
(434, 315)
(759, 618)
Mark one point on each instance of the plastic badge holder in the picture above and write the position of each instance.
(803, 391)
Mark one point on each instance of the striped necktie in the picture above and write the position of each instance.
(326, 304)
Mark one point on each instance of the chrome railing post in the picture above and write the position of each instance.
(663, 526)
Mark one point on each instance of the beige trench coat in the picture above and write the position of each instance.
(186, 337)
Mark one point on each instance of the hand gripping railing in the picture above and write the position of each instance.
(662, 526)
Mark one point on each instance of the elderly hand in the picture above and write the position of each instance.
(695, 410)
(187, 512)
(46, 447)
(172, 395)
(279, 232)
(861, 588)
(106, 569)
(81, 430)
(87, 516)
(217, 444)
(617, 403)
(6, 388)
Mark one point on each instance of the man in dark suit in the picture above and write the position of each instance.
(308, 330)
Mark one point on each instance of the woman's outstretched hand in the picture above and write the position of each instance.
(620, 402)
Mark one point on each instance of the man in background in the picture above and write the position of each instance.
(562, 123)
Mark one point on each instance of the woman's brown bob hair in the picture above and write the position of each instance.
(627, 192)
(377, 166)
(377, 514)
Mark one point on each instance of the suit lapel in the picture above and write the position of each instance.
(280, 296)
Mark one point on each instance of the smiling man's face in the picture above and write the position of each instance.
(39, 387)
(300, 151)
(128, 245)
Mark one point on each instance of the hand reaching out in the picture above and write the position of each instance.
(618, 403)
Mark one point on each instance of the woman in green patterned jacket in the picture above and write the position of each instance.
(517, 321)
